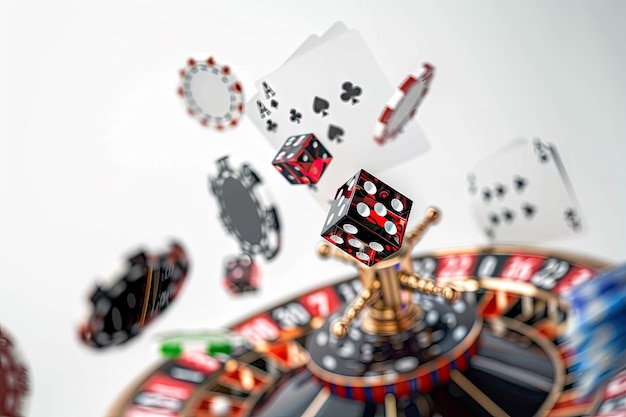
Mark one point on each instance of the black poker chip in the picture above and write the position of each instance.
(147, 285)
(246, 210)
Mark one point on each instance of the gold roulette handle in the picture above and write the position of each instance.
(412, 281)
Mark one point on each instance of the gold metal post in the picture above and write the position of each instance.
(383, 282)
(432, 217)
(368, 294)
(327, 251)
(412, 281)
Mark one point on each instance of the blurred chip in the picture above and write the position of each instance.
(211, 93)
(145, 288)
(14, 380)
(597, 332)
(214, 343)
(246, 210)
(403, 105)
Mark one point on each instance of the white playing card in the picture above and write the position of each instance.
(310, 43)
(522, 194)
(347, 81)
(314, 41)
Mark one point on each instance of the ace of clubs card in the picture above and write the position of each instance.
(336, 91)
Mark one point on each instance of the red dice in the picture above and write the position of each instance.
(302, 159)
(367, 219)
(241, 274)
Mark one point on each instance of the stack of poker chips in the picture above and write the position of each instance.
(597, 331)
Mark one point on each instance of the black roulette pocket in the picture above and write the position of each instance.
(477, 331)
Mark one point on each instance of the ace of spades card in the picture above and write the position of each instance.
(335, 90)
(522, 194)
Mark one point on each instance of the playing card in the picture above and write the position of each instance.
(309, 44)
(522, 194)
(331, 91)
(314, 41)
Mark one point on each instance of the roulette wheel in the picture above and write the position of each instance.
(477, 331)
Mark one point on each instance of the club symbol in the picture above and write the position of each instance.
(529, 210)
(295, 116)
(508, 215)
(486, 195)
(494, 219)
(500, 190)
(572, 220)
(271, 126)
(519, 183)
(274, 104)
(350, 92)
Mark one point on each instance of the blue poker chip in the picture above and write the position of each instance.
(590, 376)
(596, 331)
(604, 284)
(603, 298)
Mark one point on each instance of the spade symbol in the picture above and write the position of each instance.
(335, 133)
(519, 182)
(320, 105)
(529, 210)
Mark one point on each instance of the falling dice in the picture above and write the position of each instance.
(367, 219)
(302, 159)
(241, 275)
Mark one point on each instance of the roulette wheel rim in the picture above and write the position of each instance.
(505, 251)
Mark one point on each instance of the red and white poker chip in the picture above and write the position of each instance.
(403, 105)
(14, 387)
(211, 93)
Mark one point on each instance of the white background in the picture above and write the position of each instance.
(100, 157)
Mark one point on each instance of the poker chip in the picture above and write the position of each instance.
(403, 105)
(214, 343)
(145, 286)
(211, 93)
(14, 381)
(596, 332)
(246, 210)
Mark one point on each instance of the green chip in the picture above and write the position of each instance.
(171, 349)
(219, 345)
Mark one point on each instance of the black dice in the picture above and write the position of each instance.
(367, 219)
(302, 159)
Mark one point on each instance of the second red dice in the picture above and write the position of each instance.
(367, 219)
(241, 274)
(302, 159)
